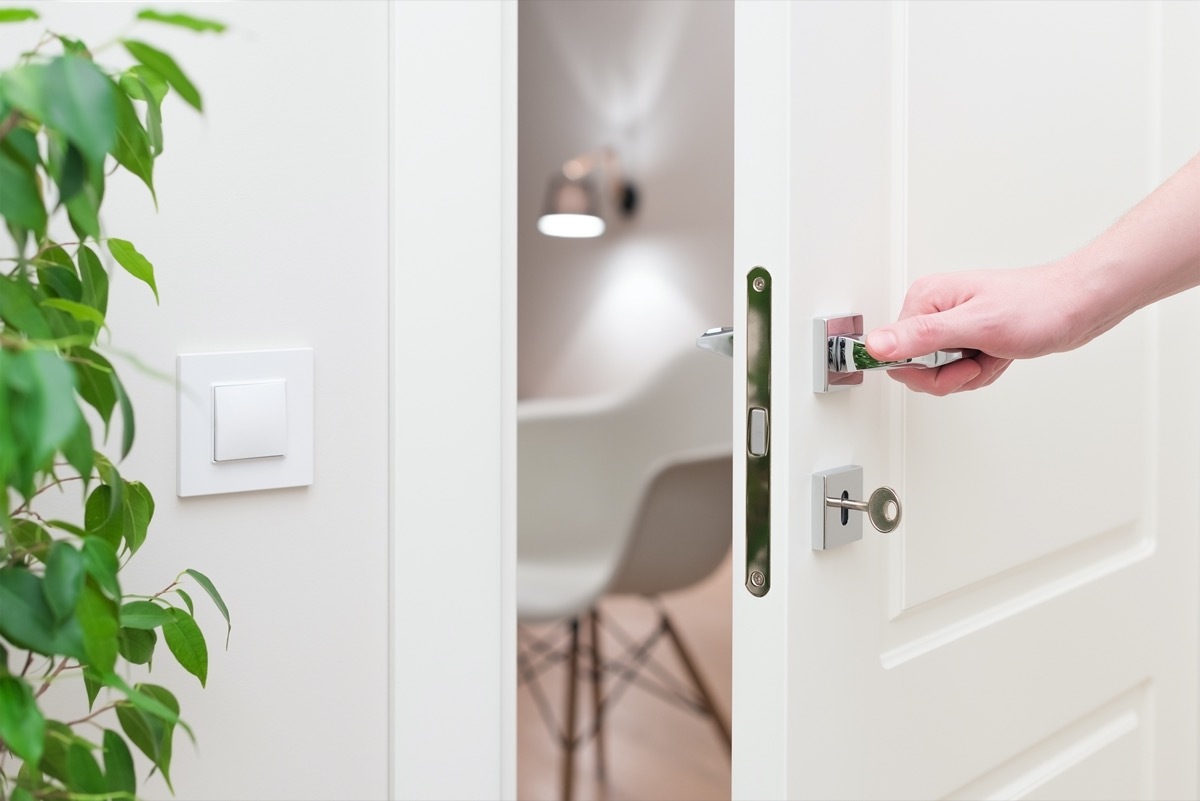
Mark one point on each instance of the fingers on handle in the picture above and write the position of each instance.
(915, 336)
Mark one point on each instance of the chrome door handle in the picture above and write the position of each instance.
(840, 358)
(847, 354)
(718, 340)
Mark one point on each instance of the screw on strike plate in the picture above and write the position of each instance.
(757, 578)
(759, 285)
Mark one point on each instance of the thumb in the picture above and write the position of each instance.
(915, 336)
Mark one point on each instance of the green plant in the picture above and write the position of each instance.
(67, 124)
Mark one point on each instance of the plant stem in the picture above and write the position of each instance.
(97, 713)
(50, 679)
(11, 121)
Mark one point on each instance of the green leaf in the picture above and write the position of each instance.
(187, 601)
(182, 20)
(63, 581)
(70, 528)
(97, 616)
(44, 413)
(94, 280)
(17, 14)
(148, 719)
(92, 683)
(100, 562)
(94, 381)
(143, 615)
(206, 584)
(133, 146)
(134, 263)
(54, 750)
(141, 511)
(137, 645)
(164, 65)
(86, 777)
(118, 764)
(26, 619)
(80, 311)
(22, 726)
(127, 422)
(79, 450)
(29, 536)
(70, 95)
(73, 174)
(142, 83)
(21, 195)
(97, 517)
(186, 642)
(22, 144)
(19, 309)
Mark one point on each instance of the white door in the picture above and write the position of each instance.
(1030, 630)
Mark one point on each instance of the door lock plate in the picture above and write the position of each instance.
(833, 527)
(758, 432)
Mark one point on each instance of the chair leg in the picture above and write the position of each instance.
(690, 664)
(570, 739)
(597, 704)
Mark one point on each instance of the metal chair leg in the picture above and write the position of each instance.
(569, 737)
(597, 704)
(690, 664)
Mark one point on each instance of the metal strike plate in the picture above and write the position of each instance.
(833, 527)
(824, 379)
(758, 431)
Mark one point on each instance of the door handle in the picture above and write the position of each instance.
(846, 354)
(840, 358)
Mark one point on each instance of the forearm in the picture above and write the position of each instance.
(1151, 253)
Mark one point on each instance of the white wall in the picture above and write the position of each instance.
(655, 81)
(272, 232)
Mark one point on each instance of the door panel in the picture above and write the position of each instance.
(1030, 630)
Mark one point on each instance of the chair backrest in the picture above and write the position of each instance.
(640, 482)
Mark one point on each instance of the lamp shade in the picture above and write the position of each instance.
(572, 209)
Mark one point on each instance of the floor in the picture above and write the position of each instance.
(655, 750)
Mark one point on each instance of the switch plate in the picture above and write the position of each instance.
(249, 420)
(263, 401)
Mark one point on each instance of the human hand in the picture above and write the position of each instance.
(1003, 314)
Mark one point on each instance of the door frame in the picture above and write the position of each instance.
(452, 439)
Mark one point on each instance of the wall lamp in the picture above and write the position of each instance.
(573, 202)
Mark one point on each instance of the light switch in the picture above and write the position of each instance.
(245, 421)
(249, 420)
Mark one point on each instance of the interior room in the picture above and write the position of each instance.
(642, 94)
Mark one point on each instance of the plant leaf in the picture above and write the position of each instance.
(97, 617)
(97, 519)
(22, 726)
(182, 20)
(27, 621)
(186, 642)
(92, 685)
(128, 428)
(100, 562)
(94, 279)
(21, 201)
(134, 263)
(206, 584)
(81, 312)
(86, 777)
(69, 94)
(142, 83)
(187, 601)
(118, 764)
(133, 145)
(165, 66)
(63, 581)
(17, 14)
(137, 645)
(94, 382)
(139, 504)
(143, 615)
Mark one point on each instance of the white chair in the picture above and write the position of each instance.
(627, 494)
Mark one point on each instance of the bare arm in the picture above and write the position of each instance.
(1151, 253)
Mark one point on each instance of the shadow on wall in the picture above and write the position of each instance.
(654, 81)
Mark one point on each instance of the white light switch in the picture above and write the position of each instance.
(245, 421)
(249, 420)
